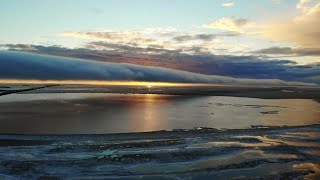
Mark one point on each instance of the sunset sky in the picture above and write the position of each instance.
(258, 39)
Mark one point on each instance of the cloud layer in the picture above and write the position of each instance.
(18, 65)
(289, 51)
(162, 38)
(253, 67)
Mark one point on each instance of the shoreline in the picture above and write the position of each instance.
(195, 130)
(297, 92)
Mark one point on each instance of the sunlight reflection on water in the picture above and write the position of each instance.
(111, 113)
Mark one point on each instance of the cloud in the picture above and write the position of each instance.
(228, 4)
(230, 24)
(204, 37)
(139, 38)
(167, 39)
(120, 48)
(289, 51)
(301, 30)
(254, 67)
(18, 65)
(302, 4)
(114, 36)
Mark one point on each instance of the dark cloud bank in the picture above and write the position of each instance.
(250, 67)
(22, 65)
(289, 51)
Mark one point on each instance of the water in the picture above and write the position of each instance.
(268, 153)
(101, 113)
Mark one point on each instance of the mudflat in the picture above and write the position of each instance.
(99, 132)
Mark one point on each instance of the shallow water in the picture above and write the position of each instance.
(269, 153)
(91, 113)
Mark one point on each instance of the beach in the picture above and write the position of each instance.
(268, 153)
(98, 132)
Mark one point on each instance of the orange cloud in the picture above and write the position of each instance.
(302, 30)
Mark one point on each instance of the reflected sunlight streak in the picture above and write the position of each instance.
(105, 83)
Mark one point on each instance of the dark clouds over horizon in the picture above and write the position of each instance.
(289, 51)
(23, 65)
(253, 67)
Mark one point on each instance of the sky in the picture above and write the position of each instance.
(259, 36)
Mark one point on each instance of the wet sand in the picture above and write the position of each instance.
(269, 153)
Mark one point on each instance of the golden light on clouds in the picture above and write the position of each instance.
(301, 30)
(144, 37)
(231, 24)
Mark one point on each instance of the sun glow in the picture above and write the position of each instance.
(105, 83)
